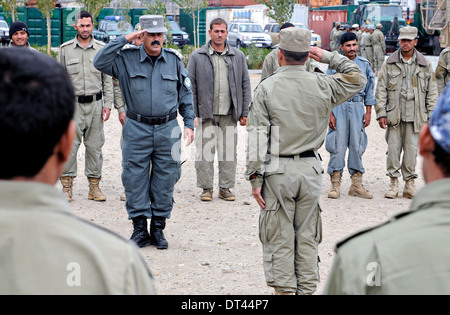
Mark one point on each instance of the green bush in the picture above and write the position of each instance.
(43, 49)
(255, 56)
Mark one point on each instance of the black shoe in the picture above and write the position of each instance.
(140, 234)
(157, 238)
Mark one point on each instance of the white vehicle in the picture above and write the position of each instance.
(273, 29)
(244, 34)
(4, 32)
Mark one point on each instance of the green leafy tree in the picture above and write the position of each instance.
(10, 8)
(94, 6)
(279, 10)
(193, 8)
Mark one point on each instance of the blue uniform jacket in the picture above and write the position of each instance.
(368, 92)
(148, 89)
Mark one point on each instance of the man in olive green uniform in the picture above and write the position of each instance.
(287, 124)
(406, 94)
(333, 42)
(379, 49)
(45, 248)
(358, 32)
(363, 41)
(368, 45)
(408, 254)
(443, 69)
(93, 91)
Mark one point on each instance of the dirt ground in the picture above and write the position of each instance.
(214, 246)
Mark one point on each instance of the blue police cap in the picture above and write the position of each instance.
(440, 120)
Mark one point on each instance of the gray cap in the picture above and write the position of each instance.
(409, 32)
(440, 120)
(152, 23)
(295, 39)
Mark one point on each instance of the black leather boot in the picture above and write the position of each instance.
(157, 238)
(140, 234)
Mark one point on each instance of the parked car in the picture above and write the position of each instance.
(273, 29)
(4, 32)
(179, 36)
(243, 34)
(111, 27)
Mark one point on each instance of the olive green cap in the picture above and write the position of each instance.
(408, 32)
(295, 39)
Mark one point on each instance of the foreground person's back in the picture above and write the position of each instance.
(44, 248)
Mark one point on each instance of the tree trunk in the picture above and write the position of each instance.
(49, 34)
(194, 30)
(198, 27)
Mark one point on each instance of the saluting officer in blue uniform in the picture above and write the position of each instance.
(155, 85)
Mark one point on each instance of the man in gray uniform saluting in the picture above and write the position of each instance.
(155, 86)
(286, 125)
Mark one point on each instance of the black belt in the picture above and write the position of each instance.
(84, 99)
(151, 120)
(368, 45)
(306, 154)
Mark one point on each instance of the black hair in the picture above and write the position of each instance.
(286, 25)
(294, 57)
(37, 104)
(348, 36)
(217, 21)
(83, 14)
(442, 159)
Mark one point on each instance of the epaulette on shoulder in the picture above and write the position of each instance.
(363, 59)
(339, 244)
(67, 43)
(175, 52)
(393, 219)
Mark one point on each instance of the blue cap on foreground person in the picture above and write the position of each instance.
(410, 253)
(44, 248)
(440, 121)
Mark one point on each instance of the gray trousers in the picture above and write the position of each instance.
(88, 118)
(151, 167)
(402, 138)
(220, 135)
(290, 226)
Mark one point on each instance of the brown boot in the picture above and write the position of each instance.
(67, 183)
(94, 191)
(410, 189)
(335, 189)
(357, 189)
(226, 194)
(207, 194)
(392, 193)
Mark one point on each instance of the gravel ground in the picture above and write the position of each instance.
(214, 247)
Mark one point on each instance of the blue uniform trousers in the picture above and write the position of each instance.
(151, 167)
(349, 133)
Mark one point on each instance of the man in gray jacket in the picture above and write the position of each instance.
(222, 93)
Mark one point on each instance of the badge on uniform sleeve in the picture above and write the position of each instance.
(187, 83)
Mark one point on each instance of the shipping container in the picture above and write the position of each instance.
(322, 21)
